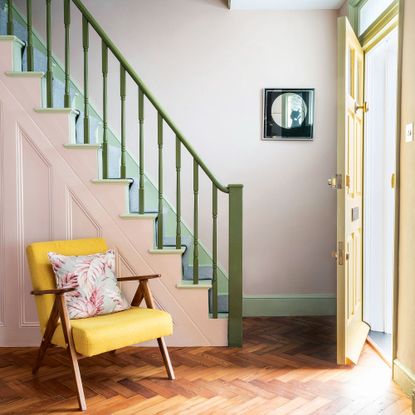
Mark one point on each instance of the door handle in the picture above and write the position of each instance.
(364, 107)
(339, 254)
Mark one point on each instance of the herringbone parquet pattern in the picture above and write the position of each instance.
(287, 366)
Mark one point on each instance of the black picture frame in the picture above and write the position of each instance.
(296, 123)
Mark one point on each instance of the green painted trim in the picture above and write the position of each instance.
(82, 146)
(190, 285)
(223, 316)
(54, 111)
(405, 378)
(111, 181)
(379, 24)
(152, 216)
(166, 251)
(20, 74)
(8, 38)
(289, 305)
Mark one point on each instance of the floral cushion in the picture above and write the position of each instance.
(93, 276)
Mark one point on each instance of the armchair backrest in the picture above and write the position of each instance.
(41, 272)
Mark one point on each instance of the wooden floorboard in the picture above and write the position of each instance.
(287, 366)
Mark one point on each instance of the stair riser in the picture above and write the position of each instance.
(27, 89)
(10, 56)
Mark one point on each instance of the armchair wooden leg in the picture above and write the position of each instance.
(47, 336)
(166, 358)
(162, 344)
(72, 352)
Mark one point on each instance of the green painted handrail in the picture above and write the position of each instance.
(134, 76)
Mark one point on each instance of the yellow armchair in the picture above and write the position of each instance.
(91, 336)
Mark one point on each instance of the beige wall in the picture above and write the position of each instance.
(406, 309)
(207, 66)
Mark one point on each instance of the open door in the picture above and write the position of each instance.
(351, 330)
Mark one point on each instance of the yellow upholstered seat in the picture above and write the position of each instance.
(94, 335)
(107, 332)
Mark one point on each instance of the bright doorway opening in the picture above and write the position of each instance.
(381, 64)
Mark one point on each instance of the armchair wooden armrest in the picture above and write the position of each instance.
(56, 291)
(143, 290)
(139, 277)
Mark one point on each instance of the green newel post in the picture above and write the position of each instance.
(235, 333)
(214, 251)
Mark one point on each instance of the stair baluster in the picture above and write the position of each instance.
(85, 44)
(30, 62)
(214, 251)
(178, 195)
(67, 23)
(104, 52)
(195, 222)
(10, 24)
(160, 184)
(141, 204)
(123, 170)
(49, 71)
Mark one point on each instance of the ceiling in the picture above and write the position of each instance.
(284, 4)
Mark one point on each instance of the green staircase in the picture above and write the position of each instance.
(117, 163)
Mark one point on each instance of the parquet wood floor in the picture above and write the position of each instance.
(287, 366)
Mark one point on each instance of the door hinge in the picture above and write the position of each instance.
(347, 180)
(336, 182)
(393, 181)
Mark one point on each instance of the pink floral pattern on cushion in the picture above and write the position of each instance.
(93, 276)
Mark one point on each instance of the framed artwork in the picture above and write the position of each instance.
(288, 114)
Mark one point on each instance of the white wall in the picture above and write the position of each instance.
(207, 66)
